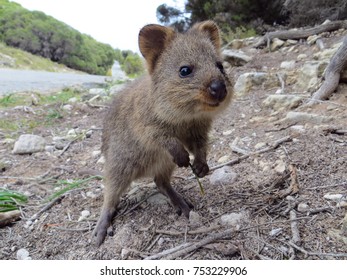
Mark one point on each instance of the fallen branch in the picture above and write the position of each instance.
(210, 239)
(332, 75)
(294, 227)
(7, 218)
(302, 250)
(46, 207)
(300, 33)
(272, 146)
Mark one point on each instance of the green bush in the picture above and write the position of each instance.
(43, 35)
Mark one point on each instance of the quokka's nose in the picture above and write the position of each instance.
(218, 90)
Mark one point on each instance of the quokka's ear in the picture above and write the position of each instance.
(211, 29)
(153, 40)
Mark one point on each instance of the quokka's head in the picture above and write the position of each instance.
(188, 79)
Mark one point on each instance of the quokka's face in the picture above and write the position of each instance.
(190, 78)
(187, 71)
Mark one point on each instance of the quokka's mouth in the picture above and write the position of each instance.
(212, 104)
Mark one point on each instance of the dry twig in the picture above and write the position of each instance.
(7, 218)
(272, 146)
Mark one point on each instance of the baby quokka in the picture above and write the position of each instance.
(155, 122)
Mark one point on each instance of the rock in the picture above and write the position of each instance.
(276, 44)
(298, 129)
(224, 175)
(275, 231)
(101, 160)
(300, 117)
(236, 58)
(125, 254)
(280, 166)
(97, 91)
(96, 153)
(312, 39)
(303, 207)
(158, 199)
(84, 214)
(302, 56)
(236, 44)
(246, 81)
(334, 197)
(23, 254)
(282, 101)
(73, 100)
(194, 219)
(291, 42)
(259, 145)
(223, 159)
(326, 54)
(233, 219)
(308, 77)
(227, 132)
(28, 144)
(68, 107)
(288, 65)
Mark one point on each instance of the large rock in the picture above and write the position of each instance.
(236, 58)
(28, 144)
(282, 101)
(276, 44)
(247, 81)
(224, 175)
(309, 75)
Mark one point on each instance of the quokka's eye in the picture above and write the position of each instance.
(185, 71)
(220, 67)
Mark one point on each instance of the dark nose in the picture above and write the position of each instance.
(218, 90)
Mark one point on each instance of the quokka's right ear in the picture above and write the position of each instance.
(153, 40)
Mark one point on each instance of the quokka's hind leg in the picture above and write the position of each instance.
(114, 189)
(181, 205)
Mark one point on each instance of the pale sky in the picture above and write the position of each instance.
(115, 22)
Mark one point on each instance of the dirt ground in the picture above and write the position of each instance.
(284, 214)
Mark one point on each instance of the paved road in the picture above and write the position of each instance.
(27, 80)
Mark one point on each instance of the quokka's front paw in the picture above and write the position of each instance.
(200, 168)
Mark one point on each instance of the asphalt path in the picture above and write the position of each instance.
(12, 81)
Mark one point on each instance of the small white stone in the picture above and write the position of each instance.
(22, 254)
(101, 160)
(334, 197)
(260, 145)
(96, 153)
(302, 56)
(85, 213)
(91, 194)
(227, 132)
(288, 65)
(194, 219)
(275, 231)
(68, 107)
(280, 166)
(223, 159)
(73, 100)
(125, 254)
(303, 207)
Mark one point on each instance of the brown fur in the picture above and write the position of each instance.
(154, 122)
